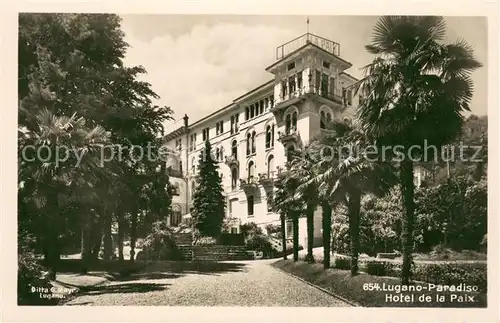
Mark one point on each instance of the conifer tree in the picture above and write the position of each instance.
(209, 201)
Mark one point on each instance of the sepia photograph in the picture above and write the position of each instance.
(252, 160)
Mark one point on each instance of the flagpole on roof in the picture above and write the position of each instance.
(307, 22)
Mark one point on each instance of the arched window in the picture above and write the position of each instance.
(234, 149)
(268, 137)
(253, 142)
(328, 118)
(288, 124)
(193, 189)
(322, 120)
(234, 177)
(249, 139)
(272, 136)
(176, 189)
(176, 217)
(294, 121)
(289, 152)
(270, 165)
(251, 169)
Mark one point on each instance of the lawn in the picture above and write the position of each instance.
(378, 291)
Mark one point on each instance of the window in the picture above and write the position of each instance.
(234, 230)
(289, 152)
(193, 165)
(326, 64)
(206, 134)
(271, 99)
(234, 149)
(332, 85)
(253, 142)
(349, 97)
(299, 81)
(219, 127)
(266, 103)
(270, 197)
(324, 84)
(178, 144)
(192, 142)
(291, 84)
(176, 189)
(270, 166)
(234, 177)
(236, 121)
(232, 124)
(261, 106)
(176, 217)
(317, 80)
(291, 66)
(268, 137)
(252, 111)
(250, 205)
(294, 121)
(251, 169)
(322, 120)
(288, 124)
(283, 89)
(249, 139)
(289, 229)
(247, 113)
(217, 154)
(272, 136)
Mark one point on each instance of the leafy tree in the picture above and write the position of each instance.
(416, 90)
(209, 202)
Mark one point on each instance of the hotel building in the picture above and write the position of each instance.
(251, 136)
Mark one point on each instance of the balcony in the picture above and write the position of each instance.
(232, 161)
(249, 185)
(174, 172)
(290, 136)
(308, 38)
(323, 93)
(266, 180)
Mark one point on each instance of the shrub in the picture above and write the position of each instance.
(205, 241)
(31, 274)
(342, 262)
(381, 268)
(159, 244)
(261, 244)
(453, 273)
(232, 239)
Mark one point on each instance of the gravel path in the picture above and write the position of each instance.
(244, 283)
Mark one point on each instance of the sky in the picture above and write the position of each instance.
(198, 64)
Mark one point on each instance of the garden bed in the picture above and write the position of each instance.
(380, 291)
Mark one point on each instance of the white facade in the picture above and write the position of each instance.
(251, 135)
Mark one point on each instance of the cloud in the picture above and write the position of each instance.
(204, 70)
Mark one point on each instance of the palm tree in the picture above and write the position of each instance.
(301, 168)
(345, 178)
(288, 206)
(415, 90)
(56, 182)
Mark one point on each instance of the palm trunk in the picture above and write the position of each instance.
(121, 234)
(283, 234)
(108, 241)
(52, 236)
(327, 230)
(310, 232)
(133, 234)
(354, 209)
(295, 220)
(406, 178)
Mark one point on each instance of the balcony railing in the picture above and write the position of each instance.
(308, 38)
(174, 172)
(291, 135)
(266, 179)
(232, 160)
(329, 95)
(249, 184)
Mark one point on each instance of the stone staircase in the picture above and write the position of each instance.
(213, 253)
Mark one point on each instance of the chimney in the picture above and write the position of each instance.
(186, 118)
